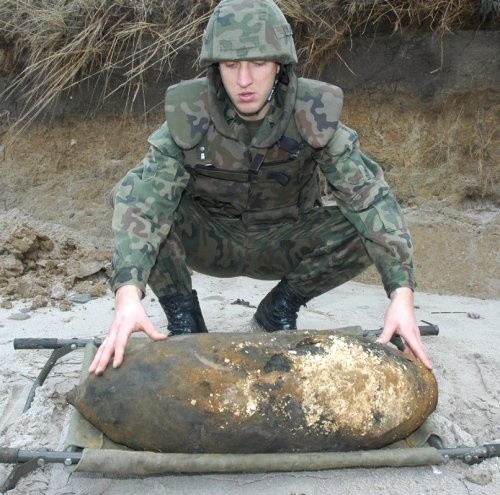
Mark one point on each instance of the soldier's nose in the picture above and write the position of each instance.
(244, 75)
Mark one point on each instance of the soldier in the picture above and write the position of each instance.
(230, 187)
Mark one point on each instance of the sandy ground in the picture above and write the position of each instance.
(465, 357)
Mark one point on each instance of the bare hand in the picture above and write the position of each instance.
(129, 317)
(400, 318)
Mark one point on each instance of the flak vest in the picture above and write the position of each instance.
(258, 185)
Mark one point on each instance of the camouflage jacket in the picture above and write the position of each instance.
(203, 138)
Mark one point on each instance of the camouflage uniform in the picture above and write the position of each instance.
(210, 196)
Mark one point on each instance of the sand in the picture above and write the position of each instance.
(465, 356)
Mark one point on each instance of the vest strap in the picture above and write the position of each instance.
(256, 163)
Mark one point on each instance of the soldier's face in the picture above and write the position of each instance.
(248, 84)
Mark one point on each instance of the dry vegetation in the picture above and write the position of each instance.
(53, 45)
(447, 150)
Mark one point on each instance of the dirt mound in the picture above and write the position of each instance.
(51, 270)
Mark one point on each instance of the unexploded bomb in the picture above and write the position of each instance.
(290, 391)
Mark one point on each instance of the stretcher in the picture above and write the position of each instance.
(88, 450)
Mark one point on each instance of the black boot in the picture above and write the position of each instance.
(183, 314)
(278, 310)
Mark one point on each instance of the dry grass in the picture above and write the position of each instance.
(57, 44)
(53, 45)
(446, 150)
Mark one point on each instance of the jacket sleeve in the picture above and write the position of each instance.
(366, 200)
(144, 204)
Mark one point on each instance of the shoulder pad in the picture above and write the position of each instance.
(317, 111)
(186, 111)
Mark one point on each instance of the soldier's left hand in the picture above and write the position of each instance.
(400, 318)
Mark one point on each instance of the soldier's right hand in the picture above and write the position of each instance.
(129, 317)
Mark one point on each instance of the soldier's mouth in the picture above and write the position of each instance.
(246, 97)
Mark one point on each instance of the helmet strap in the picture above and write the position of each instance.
(273, 89)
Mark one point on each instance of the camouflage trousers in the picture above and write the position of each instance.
(317, 253)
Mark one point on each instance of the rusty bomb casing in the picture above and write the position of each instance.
(289, 391)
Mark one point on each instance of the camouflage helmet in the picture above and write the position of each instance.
(247, 30)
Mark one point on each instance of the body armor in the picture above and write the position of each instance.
(259, 182)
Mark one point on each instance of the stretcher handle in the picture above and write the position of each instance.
(51, 343)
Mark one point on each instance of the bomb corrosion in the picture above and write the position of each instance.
(290, 391)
